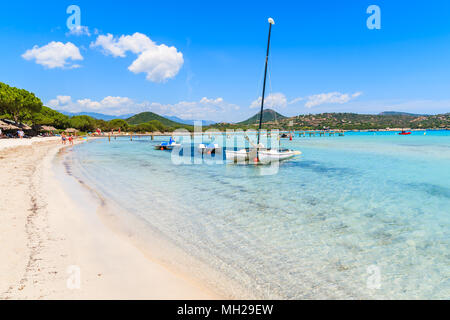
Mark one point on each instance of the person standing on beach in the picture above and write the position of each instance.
(71, 139)
(63, 138)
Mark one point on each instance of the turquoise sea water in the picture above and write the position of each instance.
(366, 215)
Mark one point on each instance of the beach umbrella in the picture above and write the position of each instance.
(24, 126)
(14, 126)
(7, 126)
(47, 128)
(71, 130)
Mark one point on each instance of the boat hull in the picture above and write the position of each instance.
(209, 149)
(263, 156)
(166, 147)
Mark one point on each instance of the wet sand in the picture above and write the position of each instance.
(53, 248)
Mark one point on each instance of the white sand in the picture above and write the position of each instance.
(11, 143)
(43, 233)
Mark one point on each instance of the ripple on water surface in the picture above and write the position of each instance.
(316, 229)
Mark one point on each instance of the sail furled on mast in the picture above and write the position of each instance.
(271, 22)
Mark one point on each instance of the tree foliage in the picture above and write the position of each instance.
(117, 124)
(23, 106)
(51, 117)
(20, 104)
(83, 123)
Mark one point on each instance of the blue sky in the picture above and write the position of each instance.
(205, 59)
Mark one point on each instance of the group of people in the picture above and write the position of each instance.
(20, 134)
(68, 138)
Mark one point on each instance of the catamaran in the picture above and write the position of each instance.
(259, 154)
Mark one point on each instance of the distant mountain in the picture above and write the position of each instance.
(139, 118)
(190, 122)
(397, 113)
(269, 115)
(149, 116)
(96, 115)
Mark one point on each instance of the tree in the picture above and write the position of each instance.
(116, 124)
(6, 97)
(30, 104)
(158, 125)
(51, 117)
(19, 103)
(83, 123)
(145, 127)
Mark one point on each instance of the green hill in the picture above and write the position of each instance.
(144, 117)
(269, 115)
(397, 113)
(353, 121)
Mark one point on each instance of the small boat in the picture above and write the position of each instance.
(167, 145)
(404, 133)
(259, 154)
(211, 148)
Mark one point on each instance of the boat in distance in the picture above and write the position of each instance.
(260, 156)
(167, 145)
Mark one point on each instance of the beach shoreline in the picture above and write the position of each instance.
(53, 248)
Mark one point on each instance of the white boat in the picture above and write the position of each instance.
(167, 145)
(270, 155)
(259, 154)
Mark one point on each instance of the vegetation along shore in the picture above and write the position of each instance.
(23, 107)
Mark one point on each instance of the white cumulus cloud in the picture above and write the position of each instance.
(79, 31)
(54, 55)
(205, 108)
(60, 100)
(274, 100)
(293, 101)
(108, 105)
(159, 62)
(210, 109)
(331, 97)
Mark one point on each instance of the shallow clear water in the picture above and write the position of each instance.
(361, 216)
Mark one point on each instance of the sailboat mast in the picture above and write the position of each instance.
(271, 22)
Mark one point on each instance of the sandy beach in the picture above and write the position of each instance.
(53, 248)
